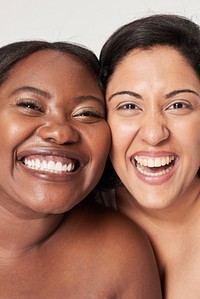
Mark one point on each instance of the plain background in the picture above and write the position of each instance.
(87, 22)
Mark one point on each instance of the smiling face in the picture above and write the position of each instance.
(153, 101)
(54, 137)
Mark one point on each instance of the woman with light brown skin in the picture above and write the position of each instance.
(53, 146)
(151, 73)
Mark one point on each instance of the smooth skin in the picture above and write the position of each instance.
(153, 101)
(54, 143)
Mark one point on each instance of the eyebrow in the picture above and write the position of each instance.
(130, 93)
(175, 92)
(47, 95)
(167, 96)
(35, 90)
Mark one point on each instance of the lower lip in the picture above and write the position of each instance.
(50, 176)
(155, 180)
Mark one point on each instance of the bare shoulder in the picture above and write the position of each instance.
(119, 252)
(131, 257)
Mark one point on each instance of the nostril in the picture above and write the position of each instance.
(154, 133)
(57, 133)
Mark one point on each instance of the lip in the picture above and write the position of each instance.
(154, 154)
(161, 174)
(52, 154)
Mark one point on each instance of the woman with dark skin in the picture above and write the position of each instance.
(54, 143)
(150, 69)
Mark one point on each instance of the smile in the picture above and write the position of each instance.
(154, 166)
(51, 164)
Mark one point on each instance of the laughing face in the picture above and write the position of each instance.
(54, 137)
(153, 101)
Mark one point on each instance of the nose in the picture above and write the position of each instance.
(58, 131)
(154, 129)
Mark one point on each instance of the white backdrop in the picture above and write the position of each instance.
(88, 22)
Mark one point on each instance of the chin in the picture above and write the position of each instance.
(150, 201)
(153, 204)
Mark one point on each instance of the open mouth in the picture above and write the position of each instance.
(154, 166)
(51, 164)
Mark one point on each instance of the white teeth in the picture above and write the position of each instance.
(58, 166)
(153, 174)
(70, 167)
(150, 163)
(37, 163)
(43, 165)
(154, 162)
(50, 166)
(145, 162)
(163, 161)
(64, 168)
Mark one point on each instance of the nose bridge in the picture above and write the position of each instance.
(154, 127)
(58, 129)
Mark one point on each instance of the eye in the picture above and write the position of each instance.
(30, 104)
(180, 107)
(128, 106)
(89, 115)
(126, 109)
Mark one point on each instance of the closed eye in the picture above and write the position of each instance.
(30, 105)
(89, 115)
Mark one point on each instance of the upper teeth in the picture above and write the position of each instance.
(154, 162)
(48, 165)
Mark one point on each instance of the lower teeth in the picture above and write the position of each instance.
(153, 174)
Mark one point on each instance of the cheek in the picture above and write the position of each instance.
(123, 136)
(98, 145)
(8, 135)
(12, 128)
(119, 147)
(198, 146)
(188, 135)
(99, 141)
(186, 139)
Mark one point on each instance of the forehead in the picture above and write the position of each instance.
(158, 56)
(44, 60)
(53, 68)
(154, 65)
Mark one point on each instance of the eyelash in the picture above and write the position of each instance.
(128, 106)
(176, 106)
(89, 113)
(30, 105)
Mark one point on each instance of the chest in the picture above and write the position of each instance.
(178, 257)
(182, 278)
(53, 277)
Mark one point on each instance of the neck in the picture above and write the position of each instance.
(184, 209)
(19, 233)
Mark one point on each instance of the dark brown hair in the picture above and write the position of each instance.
(174, 31)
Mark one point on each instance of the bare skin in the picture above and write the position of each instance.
(158, 108)
(87, 256)
(54, 144)
(175, 242)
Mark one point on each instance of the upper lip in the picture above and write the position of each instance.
(45, 151)
(153, 154)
